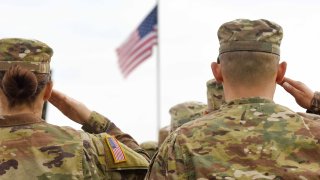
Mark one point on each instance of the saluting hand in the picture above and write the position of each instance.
(299, 91)
(70, 107)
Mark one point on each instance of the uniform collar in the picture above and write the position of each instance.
(251, 100)
(19, 119)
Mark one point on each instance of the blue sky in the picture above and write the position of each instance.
(84, 35)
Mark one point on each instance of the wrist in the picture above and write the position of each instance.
(86, 118)
(315, 104)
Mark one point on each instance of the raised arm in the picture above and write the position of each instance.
(92, 121)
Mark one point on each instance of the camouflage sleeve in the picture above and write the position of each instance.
(170, 162)
(100, 124)
(313, 117)
(315, 104)
(104, 157)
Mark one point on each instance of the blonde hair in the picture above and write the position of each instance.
(248, 68)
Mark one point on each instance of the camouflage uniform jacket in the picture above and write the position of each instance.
(30, 148)
(250, 138)
(315, 104)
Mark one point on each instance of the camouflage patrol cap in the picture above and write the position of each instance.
(246, 35)
(151, 147)
(215, 95)
(31, 54)
(163, 133)
(185, 112)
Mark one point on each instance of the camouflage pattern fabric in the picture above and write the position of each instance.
(246, 35)
(151, 147)
(251, 138)
(315, 104)
(100, 124)
(215, 95)
(185, 112)
(314, 117)
(191, 110)
(31, 54)
(33, 149)
(163, 134)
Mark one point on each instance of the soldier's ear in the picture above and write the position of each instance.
(48, 91)
(281, 72)
(216, 70)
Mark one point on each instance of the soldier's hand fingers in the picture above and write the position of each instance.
(70, 107)
(296, 84)
(62, 102)
(57, 99)
(292, 90)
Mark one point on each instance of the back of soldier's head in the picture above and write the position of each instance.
(185, 112)
(24, 69)
(249, 50)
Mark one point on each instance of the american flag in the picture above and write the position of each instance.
(138, 47)
(117, 153)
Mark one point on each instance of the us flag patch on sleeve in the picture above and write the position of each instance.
(117, 152)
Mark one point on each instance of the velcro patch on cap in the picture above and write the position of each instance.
(116, 150)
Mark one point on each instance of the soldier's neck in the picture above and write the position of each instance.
(232, 92)
(35, 108)
(20, 110)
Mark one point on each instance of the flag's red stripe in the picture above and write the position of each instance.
(146, 44)
(146, 55)
(133, 44)
(130, 62)
(137, 63)
(119, 154)
(128, 46)
(136, 57)
(128, 53)
(134, 38)
(126, 56)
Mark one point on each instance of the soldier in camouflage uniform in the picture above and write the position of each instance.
(190, 110)
(163, 134)
(186, 112)
(151, 147)
(180, 114)
(249, 137)
(30, 148)
(215, 96)
(215, 99)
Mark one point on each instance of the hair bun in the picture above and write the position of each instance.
(19, 83)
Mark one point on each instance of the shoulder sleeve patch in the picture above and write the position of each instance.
(116, 150)
(118, 156)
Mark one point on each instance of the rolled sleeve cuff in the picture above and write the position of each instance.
(315, 104)
(96, 124)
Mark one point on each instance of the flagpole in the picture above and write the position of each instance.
(158, 79)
